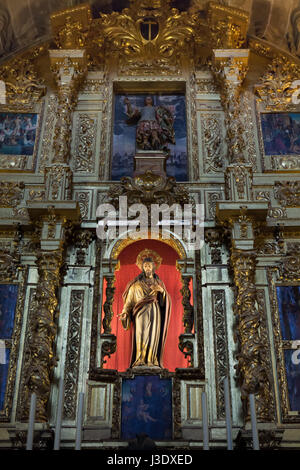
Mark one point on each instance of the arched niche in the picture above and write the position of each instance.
(176, 270)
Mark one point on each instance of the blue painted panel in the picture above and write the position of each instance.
(281, 133)
(17, 133)
(147, 407)
(8, 302)
(288, 298)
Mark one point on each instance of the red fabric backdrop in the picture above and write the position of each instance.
(173, 357)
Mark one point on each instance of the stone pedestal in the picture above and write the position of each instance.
(154, 160)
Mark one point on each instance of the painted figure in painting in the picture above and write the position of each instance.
(147, 305)
(154, 125)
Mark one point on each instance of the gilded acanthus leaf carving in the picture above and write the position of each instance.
(148, 188)
(23, 85)
(276, 88)
(149, 34)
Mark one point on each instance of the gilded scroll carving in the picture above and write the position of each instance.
(186, 346)
(212, 137)
(289, 267)
(107, 306)
(188, 311)
(220, 346)
(83, 198)
(275, 90)
(85, 143)
(44, 158)
(23, 86)
(148, 188)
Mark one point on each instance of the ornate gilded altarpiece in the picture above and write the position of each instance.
(66, 276)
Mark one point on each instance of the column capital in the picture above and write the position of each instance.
(68, 66)
(231, 66)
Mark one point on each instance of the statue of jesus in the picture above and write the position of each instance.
(147, 305)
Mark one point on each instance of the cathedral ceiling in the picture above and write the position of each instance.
(26, 22)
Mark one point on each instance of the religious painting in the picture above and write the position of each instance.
(288, 298)
(149, 123)
(281, 133)
(8, 302)
(18, 133)
(135, 301)
(147, 407)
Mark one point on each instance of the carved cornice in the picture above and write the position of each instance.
(24, 87)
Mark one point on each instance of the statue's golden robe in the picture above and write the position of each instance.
(150, 316)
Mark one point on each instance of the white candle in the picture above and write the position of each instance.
(253, 422)
(205, 422)
(228, 414)
(59, 414)
(79, 421)
(29, 443)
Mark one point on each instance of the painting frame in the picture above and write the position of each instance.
(14, 345)
(275, 162)
(284, 411)
(160, 85)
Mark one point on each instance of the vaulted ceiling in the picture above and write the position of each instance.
(26, 22)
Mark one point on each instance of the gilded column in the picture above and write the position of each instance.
(40, 357)
(252, 367)
(240, 212)
(69, 68)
